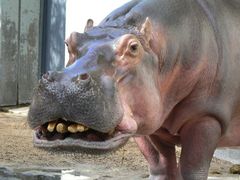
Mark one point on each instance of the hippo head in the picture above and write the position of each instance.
(101, 98)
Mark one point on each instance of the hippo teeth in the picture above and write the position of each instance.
(64, 128)
(74, 128)
(51, 126)
(61, 129)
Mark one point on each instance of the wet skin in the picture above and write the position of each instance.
(165, 72)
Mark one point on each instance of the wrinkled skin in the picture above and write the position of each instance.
(165, 72)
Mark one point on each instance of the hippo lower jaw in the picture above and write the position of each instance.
(60, 134)
(84, 144)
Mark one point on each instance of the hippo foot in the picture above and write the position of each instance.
(64, 134)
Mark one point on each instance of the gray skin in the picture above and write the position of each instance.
(165, 72)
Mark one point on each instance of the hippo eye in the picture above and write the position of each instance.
(133, 47)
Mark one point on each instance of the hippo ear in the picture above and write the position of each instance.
(89, 25)
(146, 29)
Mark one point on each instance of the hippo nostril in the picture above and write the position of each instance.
(84, 77)
(81, 78)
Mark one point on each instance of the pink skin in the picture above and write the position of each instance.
(128, 124)
(142, 112)
(72, 44)
(153, 115)
(161, 165)
(140, 98)
(163, 110)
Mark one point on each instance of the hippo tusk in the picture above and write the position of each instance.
(81, 128)
(61, 128)
(51, 126)
(72, 128)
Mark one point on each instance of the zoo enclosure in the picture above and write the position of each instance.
(32, 34)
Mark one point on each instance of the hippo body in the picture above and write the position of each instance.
(165, 72)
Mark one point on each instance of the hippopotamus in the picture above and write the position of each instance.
(163, 72)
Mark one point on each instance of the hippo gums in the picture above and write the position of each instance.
(165, 72)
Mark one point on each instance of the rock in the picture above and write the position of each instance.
(4, 109)
(235, 169)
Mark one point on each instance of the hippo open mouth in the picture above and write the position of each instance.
(80, 113)
(63, 133)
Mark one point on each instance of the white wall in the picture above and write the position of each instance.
(79, 11)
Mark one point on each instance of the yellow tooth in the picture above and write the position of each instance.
(81, 128)
(51, 126)
(111, 132)
(61, 128)
(72, 128)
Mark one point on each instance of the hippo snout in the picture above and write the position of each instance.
(81, 111)
(82, 99)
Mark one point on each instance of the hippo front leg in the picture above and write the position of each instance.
(199, 140)
(161, 158)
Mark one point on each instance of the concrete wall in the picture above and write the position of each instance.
(32, 34)
(19, 50)
(9, 40)
(29, 48)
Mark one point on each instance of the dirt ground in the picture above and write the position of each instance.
(16, 149)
